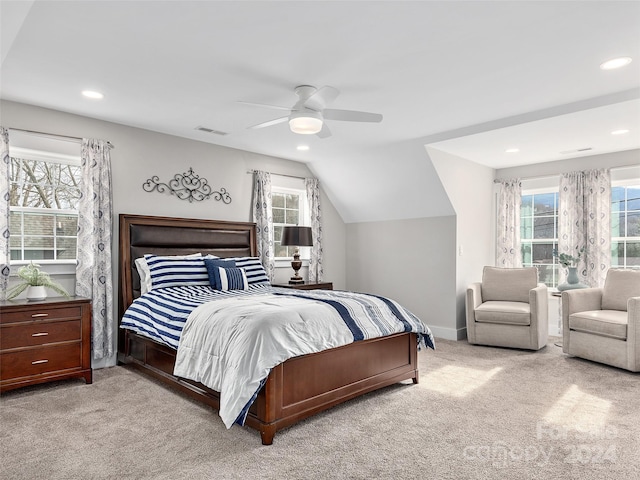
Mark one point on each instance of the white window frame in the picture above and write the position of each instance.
(288, 185)
(53, 267)
(542, 190)
(629, 182)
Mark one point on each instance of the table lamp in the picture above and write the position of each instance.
(296, 236)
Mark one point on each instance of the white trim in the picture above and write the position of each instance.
(448, 333)
(52, 267)
(625, 176)
(303, 219)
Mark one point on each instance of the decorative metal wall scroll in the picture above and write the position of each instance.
(187, 186)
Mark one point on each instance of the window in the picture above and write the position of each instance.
(539, 225)
(289, 207)
(44, 195)
(625, 226)
(539, 234)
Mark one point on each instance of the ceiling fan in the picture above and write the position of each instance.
(307, 116)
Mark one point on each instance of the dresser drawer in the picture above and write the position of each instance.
(43, 313)
(39, 333)
(38, 360)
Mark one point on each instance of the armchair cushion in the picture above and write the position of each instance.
(619, 286)
(508, 284)
(606, 323)
(513, 313)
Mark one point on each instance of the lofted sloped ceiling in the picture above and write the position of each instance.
(439, 72)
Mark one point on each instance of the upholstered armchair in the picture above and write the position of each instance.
(603, 324)
(508, 309)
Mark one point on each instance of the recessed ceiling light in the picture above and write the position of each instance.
(512, 150)
(302, 148)
(92, 94)
(622, 131)
(615, 63)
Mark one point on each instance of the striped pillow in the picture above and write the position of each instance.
(253, 268)
(212, 265)
(232, 279)
(143, 270)
(175, 272)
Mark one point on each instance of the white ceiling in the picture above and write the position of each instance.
(471, 78)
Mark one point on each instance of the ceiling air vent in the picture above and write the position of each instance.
(577, 150)
(211, 130)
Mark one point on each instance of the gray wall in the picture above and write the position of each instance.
(469, 186)
(140, 154)
(411, 261)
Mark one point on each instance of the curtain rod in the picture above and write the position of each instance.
(281, 175)
(55, 135)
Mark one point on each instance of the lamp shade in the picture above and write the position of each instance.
(296, 236)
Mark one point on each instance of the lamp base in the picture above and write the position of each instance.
(296, 264)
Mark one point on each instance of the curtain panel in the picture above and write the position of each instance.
(585, 223)
(316, 271)
(93, 271)
(263, 217)
(5, 165)
(508, 251)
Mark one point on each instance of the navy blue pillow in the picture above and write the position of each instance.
(212, 265)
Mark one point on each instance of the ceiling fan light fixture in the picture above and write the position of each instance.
(305, 123)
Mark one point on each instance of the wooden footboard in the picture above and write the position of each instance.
(299, 387)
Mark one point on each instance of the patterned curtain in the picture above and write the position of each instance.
(5, 165)
(585, 222)
(263, 216)
(316, 271)
(508, 252)
(93, 273)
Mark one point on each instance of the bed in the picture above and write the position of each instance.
(294, 389)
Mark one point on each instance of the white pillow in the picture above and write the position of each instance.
(145, 276)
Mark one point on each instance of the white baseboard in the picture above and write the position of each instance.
(449, 333)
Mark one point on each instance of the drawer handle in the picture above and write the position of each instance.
(37, 315)
(37, 362)
(43, 334)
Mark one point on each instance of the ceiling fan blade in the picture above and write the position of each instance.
(270, 122)
(321, 98)
(325, 132)
(264, 105)
(351, 115)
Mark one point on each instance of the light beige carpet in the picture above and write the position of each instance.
(478, 413)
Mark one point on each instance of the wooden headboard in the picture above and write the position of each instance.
(140, 234)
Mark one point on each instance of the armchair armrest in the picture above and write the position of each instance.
(581, 300)
(539, 305)
(472, 301)
(474, 295)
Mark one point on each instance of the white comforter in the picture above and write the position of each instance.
(231, 345)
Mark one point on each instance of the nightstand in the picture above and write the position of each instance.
(306, 286)
(44, 341)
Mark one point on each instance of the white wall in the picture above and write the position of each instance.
(411, 261)
(605, 160)
(140, 154)
(469, 186)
